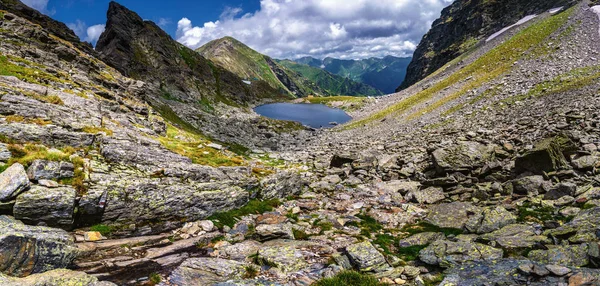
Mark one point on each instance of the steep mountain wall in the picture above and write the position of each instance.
(462, 25)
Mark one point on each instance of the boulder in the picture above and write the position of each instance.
(282, 185)
(207, 271)
(583, 163)
(548, 155)
(403, 187)
(54, 207)
(463, 155)
(423, 238)
(54, 277)
(430, 195)
(13, 181)
(50, 170)
(490, 219)
(564, 255)
(339, 160)
(461, 212)
(581, 229)
(365, 257)
(286, 258)
(516, 236)
(561, 190)
(448, 253)
(25, 250)
(266, 232)
(530, 186)
(240, 251)
(5, 154)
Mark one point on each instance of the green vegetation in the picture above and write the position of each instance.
(538, 214)
(21, 119)
(155, 278)
(348, 103)
(368, 225)
(29, 72)
(253, 207)
(96, 130)
(251, 272)
(427, 227)
(489, 66)
(193, 146)
(105, 230)
(349, 278)
(300, 235)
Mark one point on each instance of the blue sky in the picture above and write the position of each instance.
(346, 29)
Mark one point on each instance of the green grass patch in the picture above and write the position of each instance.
(427, 227)
(103, 229)
(350, 278)
(27, 71)
(489, 66)
(538, 214)
(253, 207)
(410, 253)
(368, 225)
(96, 130)
(193, 146)
(300, 235)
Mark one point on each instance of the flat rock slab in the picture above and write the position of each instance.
(286, 258)
(448, 253)
(423, 238)
(568, 255)
(13, 181)
(452, 215)
(55, 277)
(516, 236)
(207, 271)
(266, 232)
(49, 170)
(26, 250)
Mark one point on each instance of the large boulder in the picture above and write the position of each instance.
(490, 219)
(464, 155)
(530, 186)
(581, 229)
(448, 253)
(5, 154)
(13, 181)
(452, 215)
(25, 250)
(547, 155)
(365, 257)
(207, 271)
(282, 185)
(561, 190)
(50, 170)
(56, 277)
(516, 236)
(51, 206)
(564, 255)
(423, 238)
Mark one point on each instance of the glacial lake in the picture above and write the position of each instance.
(312, 115)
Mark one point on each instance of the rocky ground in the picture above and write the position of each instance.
(491, 180)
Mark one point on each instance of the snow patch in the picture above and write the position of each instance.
(555, 10)
(521, 22)
(596, 9)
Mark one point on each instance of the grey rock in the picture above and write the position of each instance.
(430, 195)
(530, 186)
(581, 229)
(54, 207)
(240, 251)
(49, 170)
(282, 184)
(447, 253)
(548, 155)
(266, 232)
(561, 190)
(490, 219)
(463, 155)
(584, 162)
(286, 258)
(5, 154)
(461, 212)
(13, 181)
(516, 236)
(55, 277)
(568, 255)
(423, 238)
(207, 271)
(558, 270)
(26, 250)
(365, 257)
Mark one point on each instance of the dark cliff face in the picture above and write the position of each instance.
(462, 25)
(141, 50)
(57, 28)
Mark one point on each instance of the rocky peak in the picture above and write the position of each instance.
(462, 25)
(55, 27)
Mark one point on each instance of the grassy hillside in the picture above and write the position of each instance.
(333, 84)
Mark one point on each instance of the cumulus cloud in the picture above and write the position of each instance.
(88, 34)
(322, 28)
(40, 5)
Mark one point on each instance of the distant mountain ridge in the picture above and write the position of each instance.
(247, 63)
(383, 74)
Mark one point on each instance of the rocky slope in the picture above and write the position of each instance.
(382, 74)
(485, 172)
(463, 25)
(253, 66)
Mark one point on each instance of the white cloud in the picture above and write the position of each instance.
(321, 28)
(88, 34)
(40, 5)
(164, 22)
